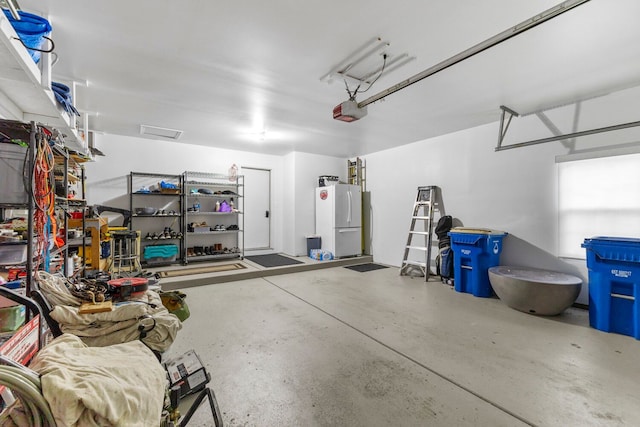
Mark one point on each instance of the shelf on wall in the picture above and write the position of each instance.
(23, 94)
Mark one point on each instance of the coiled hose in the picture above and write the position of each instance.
(25, 386)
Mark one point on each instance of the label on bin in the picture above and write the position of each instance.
(496, 248)
(465, 252)
(621, 273)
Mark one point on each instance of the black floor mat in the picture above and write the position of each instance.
(272, 260)
(366, 267)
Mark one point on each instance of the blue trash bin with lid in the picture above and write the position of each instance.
(614, 284)
(475, 250)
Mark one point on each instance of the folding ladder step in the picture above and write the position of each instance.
(423, 210)
(416, 263)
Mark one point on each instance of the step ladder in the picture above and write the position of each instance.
(421, 226)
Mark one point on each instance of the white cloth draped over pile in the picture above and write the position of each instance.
(121, 324)
(120, 385)
(114, 327)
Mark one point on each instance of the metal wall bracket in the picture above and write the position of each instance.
(557, 137)
(504, 127)
(13, 6)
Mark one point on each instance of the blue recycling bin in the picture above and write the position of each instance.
(474, 252)
(614, 284)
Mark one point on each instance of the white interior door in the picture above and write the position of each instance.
(257, 208)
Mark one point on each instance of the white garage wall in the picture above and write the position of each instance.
(107, 177)
(306, 170)
(513, 190)
(293, 178)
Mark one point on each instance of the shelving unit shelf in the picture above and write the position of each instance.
(211, 234)
(157, 213)
(43, 198)
(69, 184)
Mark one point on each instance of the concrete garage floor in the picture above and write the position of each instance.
(335, 347)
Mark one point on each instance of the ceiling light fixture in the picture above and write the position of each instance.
(362, 64)
(368, 49)
(167, 133)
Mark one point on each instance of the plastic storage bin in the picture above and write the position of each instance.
(160, 254)
(13, 253)
(11, 318)
(313, 242)
(12, 174)
(614, 284)
(474, 252)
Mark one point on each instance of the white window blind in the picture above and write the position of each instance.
(597, 197)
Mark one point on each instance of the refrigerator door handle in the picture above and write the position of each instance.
(349, 230)
(350, 203)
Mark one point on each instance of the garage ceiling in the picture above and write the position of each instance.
(245, 75)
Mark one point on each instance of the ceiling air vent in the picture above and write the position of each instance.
(161, 132)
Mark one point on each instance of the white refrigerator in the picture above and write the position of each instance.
(339, 219)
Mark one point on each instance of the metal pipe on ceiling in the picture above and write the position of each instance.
(490, 42)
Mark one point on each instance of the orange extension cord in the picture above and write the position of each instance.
(43, 185)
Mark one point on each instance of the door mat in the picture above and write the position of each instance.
(200, 270)
(272, 260)
(366, 267)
